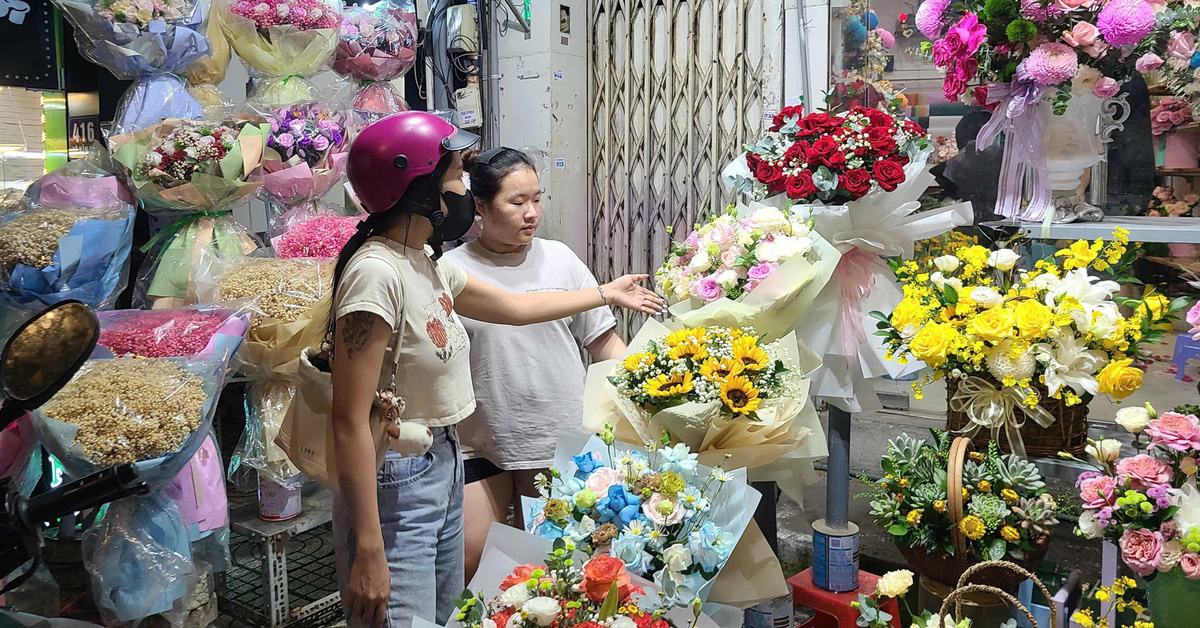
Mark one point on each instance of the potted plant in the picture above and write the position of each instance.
(947, 509)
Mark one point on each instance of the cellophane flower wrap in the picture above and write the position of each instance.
(526, 581)
(1147, 502)
(378, 44)
(720, 391)
(752, 265)
(857, 176)
(282, 42)
(667, 517)
(1011, 336)
(147, 41)
(69, 237)
(204, 330)
(305, 155)
(310, 234)
(195, 172)
(205, 75)
(1029, 56)
(291, 302)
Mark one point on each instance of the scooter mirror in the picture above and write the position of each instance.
(45, 353)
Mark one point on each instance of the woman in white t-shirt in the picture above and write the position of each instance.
(399, 529)
(528, 380)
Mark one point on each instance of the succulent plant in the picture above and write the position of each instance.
(924, 495)
(886, 511)
(991, 509)
(905, 450)
(1037, 515)
(974, 473)
(1018, 474)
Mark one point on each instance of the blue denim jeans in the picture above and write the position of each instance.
(420, 514)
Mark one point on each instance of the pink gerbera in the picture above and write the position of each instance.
(1125, 22)
(1052, 63)
(929, 17)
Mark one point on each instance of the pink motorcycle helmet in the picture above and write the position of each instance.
(388, 155)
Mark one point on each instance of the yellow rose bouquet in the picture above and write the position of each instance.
(1024, 350)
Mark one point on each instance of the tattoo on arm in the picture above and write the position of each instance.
(356, 328)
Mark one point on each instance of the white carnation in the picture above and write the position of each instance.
(542, 610)
(987, 297)
(1003, 259)
(946, 263)
(515, 596)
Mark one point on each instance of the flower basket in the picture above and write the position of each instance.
(1067, 433)
(970, 582)
(950, 569)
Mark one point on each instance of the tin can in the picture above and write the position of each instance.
(776, 613)
(278, 502)
(835, 557)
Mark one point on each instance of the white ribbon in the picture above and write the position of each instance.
(994, 409)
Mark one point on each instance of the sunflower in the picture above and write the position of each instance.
(638, 361)
(694, 349)
(752, 356)
(740, 395)
(719, 370)
(696, 335)
(669, 385)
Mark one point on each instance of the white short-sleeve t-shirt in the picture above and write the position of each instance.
(528, 380)
(406, 287)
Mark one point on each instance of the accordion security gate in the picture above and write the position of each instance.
(677, 87)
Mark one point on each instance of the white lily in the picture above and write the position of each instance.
(1070, 363)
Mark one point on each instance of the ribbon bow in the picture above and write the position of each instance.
(856, 273)
(994, 409)
(1023, 121)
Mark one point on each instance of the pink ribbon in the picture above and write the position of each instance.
(1023, 121)
(856, 272)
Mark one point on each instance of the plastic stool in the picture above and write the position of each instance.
(833, 610)
(1185, 349)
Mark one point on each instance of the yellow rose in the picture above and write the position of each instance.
(1033, 319)
(908, 312)
(1154, 308)
(992, 325)
(932, 344)
(1079, 255)
(1119, 379)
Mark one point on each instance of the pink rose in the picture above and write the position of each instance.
(601, 479)
(709, 290)
(651, 508)
(1148, 62)
(1142, 550)
(729, 259)
(1083, 34)
(1144, 471)
(1106, 88)
(1071, 5)
(1193, 315)
(969, 33)
(1097, 490)
(953, 86)
(1190, 563)
(1175, 431)
(966, 69)
(1182, 45)
(941, 53)
(764, 270)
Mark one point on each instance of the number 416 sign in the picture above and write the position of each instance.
(82, 132)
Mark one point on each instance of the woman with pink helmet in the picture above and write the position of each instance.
(394, 328)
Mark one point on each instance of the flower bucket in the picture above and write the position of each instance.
(1180, 150)
(1172, 599)
(1067, 433)
(1183, 250)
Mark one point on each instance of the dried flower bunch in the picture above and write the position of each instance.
(286, 289)
(130, 409)
(32, 238)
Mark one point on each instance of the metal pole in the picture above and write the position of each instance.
(835, 538)
(837, 485)
(809, 105)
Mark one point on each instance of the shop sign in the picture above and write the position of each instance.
(31, 62)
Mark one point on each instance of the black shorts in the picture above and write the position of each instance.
(477, 469)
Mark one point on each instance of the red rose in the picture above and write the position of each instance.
(981, 98)
(768, 172)
(660, 623)
(752, 161)
(600, 573)
(827, 152)
(857, 182)
(801, 186)
(914, 129)
(586, 624)
(889, 174)
(879, 118)
(781, 117)
(881, 139)
(797, 153)
(815, 123)
(520, 575)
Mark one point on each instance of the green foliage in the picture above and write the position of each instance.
(1020, 31)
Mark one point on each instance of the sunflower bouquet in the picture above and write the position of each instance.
(1021, 349)
(1007, 513)
(719, 390)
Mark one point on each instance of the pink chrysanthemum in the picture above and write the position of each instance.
(929, 17)
(1125, 22)
(1052, 63)
(887, 39)
(1035, 11)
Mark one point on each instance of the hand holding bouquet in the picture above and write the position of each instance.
(378, 45)
(149, 41)
(282, 42)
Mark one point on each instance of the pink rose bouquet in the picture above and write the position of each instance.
(1147, 503)
(378, 44)
(1169, 113)
(282, 42)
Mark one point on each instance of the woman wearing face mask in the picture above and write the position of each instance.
(400, 548)
(522, 399)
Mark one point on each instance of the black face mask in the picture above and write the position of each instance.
(460, 215)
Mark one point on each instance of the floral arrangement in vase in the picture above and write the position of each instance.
(300, 14)
(731, 256)
(142, 12)
(658, 511)
(1169, 113)
(1007, 513)
(831, 157)
(1027, 337)
(1165, 203)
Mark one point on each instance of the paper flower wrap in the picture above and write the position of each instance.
(148, 41)
(378, 44)
(709, 523)
(70, 238)
(780, 445)
(282, 42)
(201, 169)
(879, 224)
(206, 74)
(292, 301)
(307, 145)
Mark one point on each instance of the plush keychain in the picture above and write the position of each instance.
(407, 438)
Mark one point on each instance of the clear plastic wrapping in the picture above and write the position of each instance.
(377, 45)
(146, 41)
(205, 330)
(154, 412)
(317, 230)
(206, 74)
(305, 154)
(282, 42)
(199, 494)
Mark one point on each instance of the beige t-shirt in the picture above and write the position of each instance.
(396, 282)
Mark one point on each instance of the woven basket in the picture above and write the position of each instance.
(949, 569)
(967, 584)
(1068, 432)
